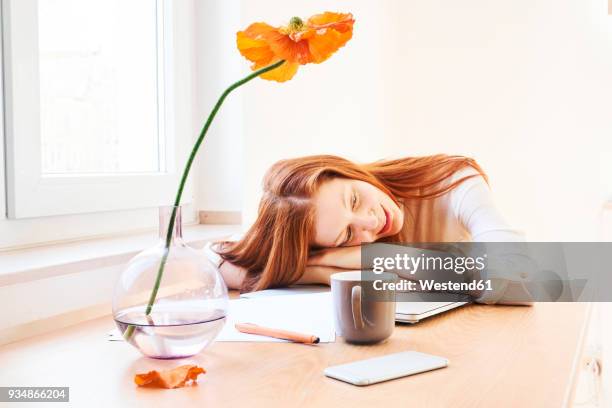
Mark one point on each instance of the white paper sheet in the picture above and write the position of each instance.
(291, 290)
(308, 314)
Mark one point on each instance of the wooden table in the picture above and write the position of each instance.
(500, 356)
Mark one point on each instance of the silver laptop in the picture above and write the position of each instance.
(413, 312)
(405, 312)
(413, 307)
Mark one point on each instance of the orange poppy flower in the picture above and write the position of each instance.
(298, 43)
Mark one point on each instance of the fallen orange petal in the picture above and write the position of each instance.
(175, 378)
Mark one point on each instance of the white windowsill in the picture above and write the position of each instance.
(25, 265)
(54, 286)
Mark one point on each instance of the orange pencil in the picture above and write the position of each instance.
(251, 328)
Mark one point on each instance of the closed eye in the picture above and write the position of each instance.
(349, 232)
(353, 201)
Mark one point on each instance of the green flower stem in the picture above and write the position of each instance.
(177, 201)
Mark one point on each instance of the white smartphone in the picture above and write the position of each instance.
(389, 367)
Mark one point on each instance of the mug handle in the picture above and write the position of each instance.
(356, 306)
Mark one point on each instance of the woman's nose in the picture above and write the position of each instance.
(366, 222)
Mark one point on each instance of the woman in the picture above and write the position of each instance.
(315, 212)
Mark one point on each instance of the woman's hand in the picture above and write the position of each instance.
(316, 274)
(232, 275)
(325, 262)
(341, 257)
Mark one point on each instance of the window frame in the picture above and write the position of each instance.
(31, 194)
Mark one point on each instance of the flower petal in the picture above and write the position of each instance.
(174, 378)
(283, 73)
(253, 46)
(286, 48)
(327, 33)
(338, 21)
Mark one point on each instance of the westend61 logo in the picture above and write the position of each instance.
(412, 264)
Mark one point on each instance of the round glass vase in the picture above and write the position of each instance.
(191, 303)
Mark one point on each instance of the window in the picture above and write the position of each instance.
(98, 90)
(89, 106)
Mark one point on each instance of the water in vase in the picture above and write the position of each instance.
(167, 333)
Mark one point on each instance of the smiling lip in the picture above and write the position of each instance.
(387, 227)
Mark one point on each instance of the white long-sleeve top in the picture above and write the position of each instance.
(468, 214)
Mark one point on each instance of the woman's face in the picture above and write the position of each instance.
(349, 212)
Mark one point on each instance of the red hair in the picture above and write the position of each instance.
(275, 249)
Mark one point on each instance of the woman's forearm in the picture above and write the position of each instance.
(316, 274)
(234, 275)
(342, 257)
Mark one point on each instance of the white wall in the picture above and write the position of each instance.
(524, 86)
(218, 65)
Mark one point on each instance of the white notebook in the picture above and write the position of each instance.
(291, 290)
(302, 313)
